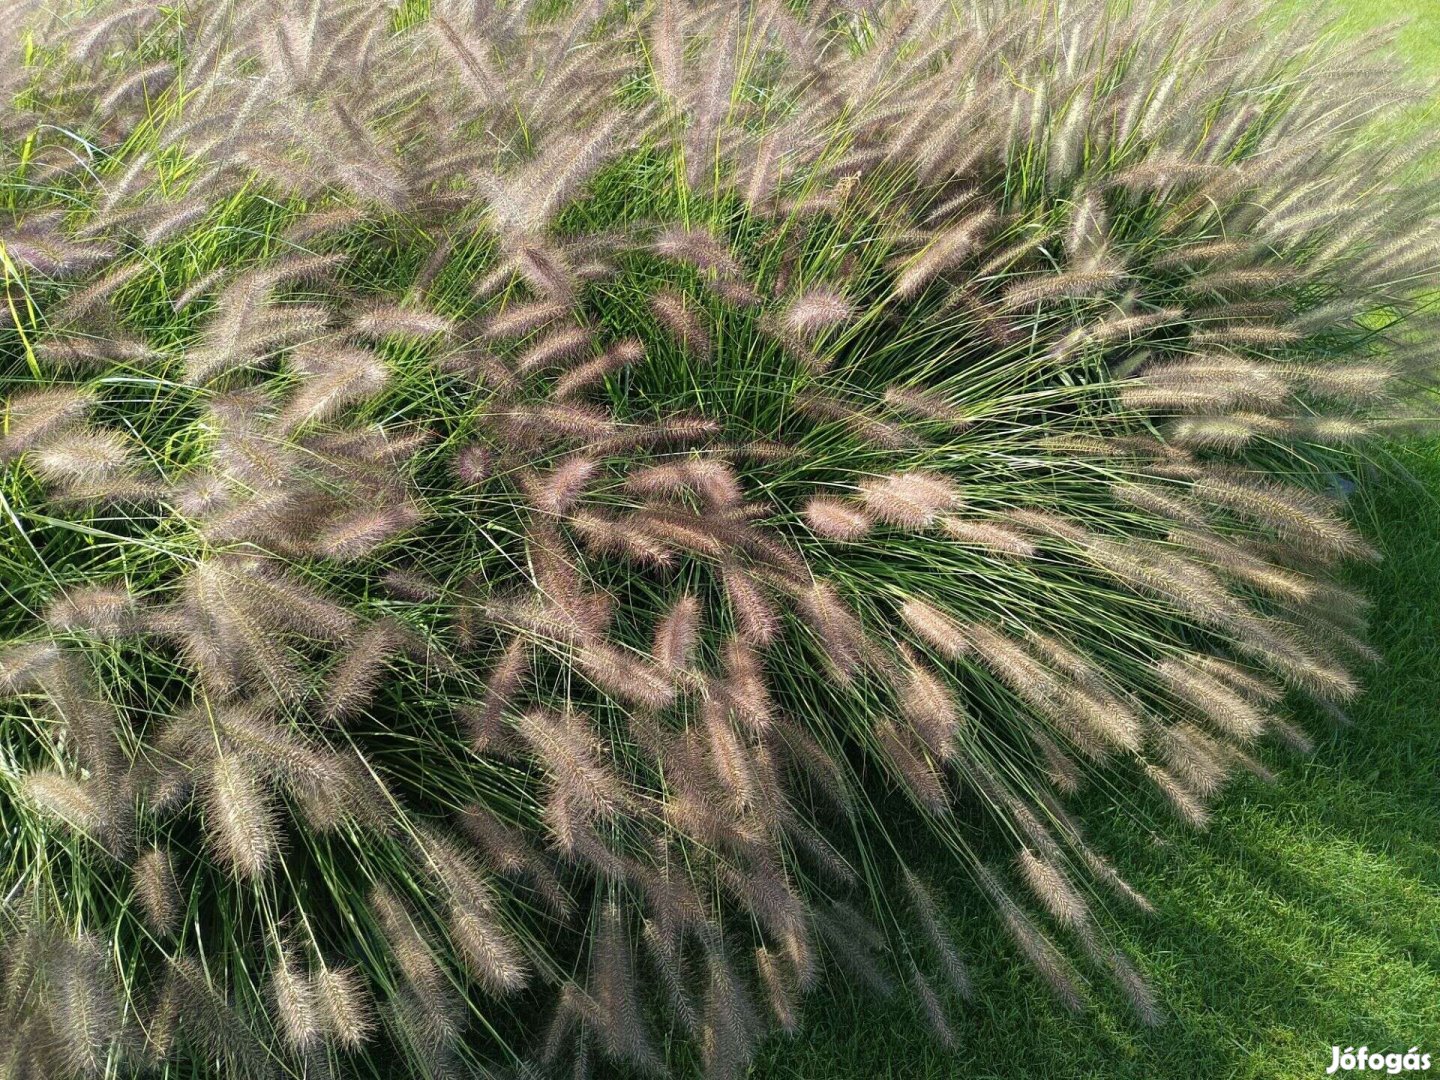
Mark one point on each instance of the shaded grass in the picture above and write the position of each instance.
(1309, 914)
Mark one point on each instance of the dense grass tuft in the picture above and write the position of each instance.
(536, 512)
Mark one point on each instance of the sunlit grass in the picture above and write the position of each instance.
(1303, 918)
(1310, 915)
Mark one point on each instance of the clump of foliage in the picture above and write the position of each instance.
(525, 510)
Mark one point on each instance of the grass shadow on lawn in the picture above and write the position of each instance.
(1309, 915)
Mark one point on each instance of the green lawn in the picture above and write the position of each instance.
(1418, 40)
(1308, 915)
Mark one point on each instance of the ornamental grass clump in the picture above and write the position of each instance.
(516, 516)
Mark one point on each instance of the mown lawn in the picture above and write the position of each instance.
(1418, 40)
(1309, 914)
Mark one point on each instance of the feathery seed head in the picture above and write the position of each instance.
(978, 364)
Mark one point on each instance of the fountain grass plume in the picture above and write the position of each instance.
(506, 501)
